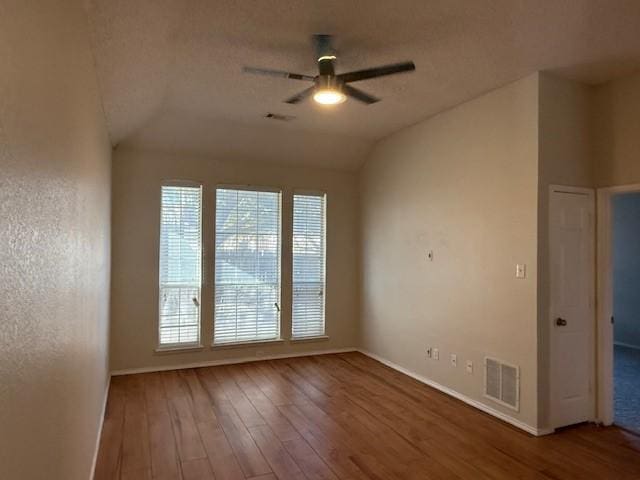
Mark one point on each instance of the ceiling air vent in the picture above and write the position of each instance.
(502, 383)
(278, 116)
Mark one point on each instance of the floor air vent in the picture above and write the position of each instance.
(502, 383)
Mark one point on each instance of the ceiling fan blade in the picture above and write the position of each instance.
(360, 95)
(297, 98)
(277, 73)
(377, 72)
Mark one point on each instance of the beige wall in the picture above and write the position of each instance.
(54, 243)
(566, 149)
(565, 158)
(616, 121)
(137, 177)
(464, 184)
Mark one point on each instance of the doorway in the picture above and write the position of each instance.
(626, 309)
(619, 306)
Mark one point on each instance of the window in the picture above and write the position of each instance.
(180, 265)
(308, 265)
(247, 278)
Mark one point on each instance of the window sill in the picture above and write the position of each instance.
(179, 348)
(250, 343)
(316, 338)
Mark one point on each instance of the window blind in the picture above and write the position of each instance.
(247, 266)
(180, 265)
(308, 265)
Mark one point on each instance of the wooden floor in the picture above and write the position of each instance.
(341, 416)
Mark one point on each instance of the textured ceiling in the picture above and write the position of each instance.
(170, 70)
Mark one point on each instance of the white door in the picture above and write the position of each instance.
(572, 318)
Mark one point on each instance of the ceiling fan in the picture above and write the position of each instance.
(328, 87)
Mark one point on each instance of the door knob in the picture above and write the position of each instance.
(561, 322)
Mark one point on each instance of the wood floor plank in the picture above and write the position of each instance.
(370, 456)
(331, 417)
(271, 390)
(134, 404)
(155, 398)
(333, 451)
(361, 421)
(165, 463)
(373, 452)
(137, 474)
(110, 452)
(309, 461)
(187, 439)
(251, 460)
(292, 394)
(135, 443)
(247, 412)
(283, 466)
(289, 376)
(186, 434)
(292, 441)
(201, 404)
(221, 457)
(197, 470)
(248, 454)
(208, 380)
(367, 451)
(116, 398)
(177, 397)
(264, 406)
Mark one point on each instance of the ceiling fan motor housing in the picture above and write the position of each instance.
(323, 45)
(328, 82)
(325, 54)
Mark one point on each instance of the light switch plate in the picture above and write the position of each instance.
(521, 270)
(469, 366)
(436, 354)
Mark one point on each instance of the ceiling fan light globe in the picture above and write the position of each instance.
(329, 97)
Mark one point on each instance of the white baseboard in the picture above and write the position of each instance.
(230, 361)
(628, 345)
(469, 401)
(102, 414)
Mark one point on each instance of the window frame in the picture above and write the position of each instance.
(251, 188)
(196, 345)
(315, 193)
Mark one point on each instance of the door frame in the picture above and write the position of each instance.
(605, 298)
(593, 362)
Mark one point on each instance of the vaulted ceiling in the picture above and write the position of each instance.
(171, 70)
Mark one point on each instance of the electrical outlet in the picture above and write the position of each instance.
(469, 366)
(436, 354)
(428, 352)
(454, 360)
